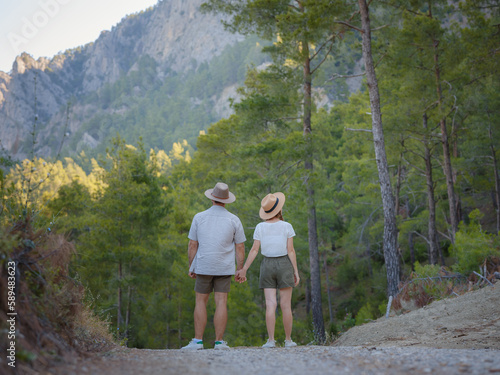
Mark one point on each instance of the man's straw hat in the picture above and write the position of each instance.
(220, 193)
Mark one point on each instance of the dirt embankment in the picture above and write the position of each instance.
(469, 321)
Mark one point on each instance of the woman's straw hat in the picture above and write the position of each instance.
(271, 205)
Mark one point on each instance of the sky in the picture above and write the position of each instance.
(47, 27)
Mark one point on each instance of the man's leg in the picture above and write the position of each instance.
(271, 304)
(220, 316)
(286, 310)
(200, 315)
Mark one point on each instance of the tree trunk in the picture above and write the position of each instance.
(330, 309)
(308, 295)
(447, 168)
(412, 250)
(127, 315)
(179, 321)
(431, 202)
(167, 317)
(495, 174)
(369, 258)
(316, 303)
(398, 181)
(454, 141)
(390, 229)
(119, 308)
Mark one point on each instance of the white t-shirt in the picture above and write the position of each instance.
(216, 230)
(273, 237)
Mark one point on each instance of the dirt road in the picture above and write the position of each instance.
(303, 360)
(453, 336)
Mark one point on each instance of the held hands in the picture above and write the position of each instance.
(240, 276)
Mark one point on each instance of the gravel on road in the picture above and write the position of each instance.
(303, 360)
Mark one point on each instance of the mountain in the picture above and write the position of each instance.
(161, 75)
(132, 75)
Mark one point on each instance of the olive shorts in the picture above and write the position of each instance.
(205, 284)
(276, 273)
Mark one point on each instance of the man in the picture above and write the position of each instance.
(216, 235)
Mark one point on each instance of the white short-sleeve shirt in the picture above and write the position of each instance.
(273, 237)
(217, 231)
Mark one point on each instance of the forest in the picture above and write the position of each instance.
(392, 185)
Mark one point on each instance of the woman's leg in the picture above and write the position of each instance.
(271, 305)
(286, 310)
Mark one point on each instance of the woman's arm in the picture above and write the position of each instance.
(251, 257)
(293, 258)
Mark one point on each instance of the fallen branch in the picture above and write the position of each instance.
(437, 277)
(388, 307)
(482, 277)
(359, 130)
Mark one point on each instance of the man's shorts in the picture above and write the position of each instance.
(276, 273)
(206, 284)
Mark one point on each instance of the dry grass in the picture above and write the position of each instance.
(420, 291)
(91, 333)
(53, 321)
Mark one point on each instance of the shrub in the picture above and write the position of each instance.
(428, 270)
(365, 314)
(472, 245)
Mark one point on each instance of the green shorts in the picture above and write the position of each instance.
(206, 284)
(276, 273)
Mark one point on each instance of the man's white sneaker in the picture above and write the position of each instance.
(269, 344)
(221, 345)
(194, 344)
(289, 344)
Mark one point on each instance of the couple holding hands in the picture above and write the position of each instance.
(215, 238)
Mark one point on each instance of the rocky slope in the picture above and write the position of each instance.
(469, 321)
(174, 33)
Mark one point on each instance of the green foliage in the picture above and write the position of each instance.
(473, 245)
(366, 314)
(427, 270)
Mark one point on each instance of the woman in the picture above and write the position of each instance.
(278, 269)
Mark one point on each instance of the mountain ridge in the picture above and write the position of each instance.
(174, 34)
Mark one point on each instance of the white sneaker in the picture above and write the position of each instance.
(289, 344)
(194, 344)
(221, 345)
(269, 344)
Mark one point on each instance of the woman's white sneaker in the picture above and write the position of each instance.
(289, 344)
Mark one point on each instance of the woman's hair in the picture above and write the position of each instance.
(279, 215)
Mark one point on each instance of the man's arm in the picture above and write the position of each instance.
(192, 250)
(240, 255)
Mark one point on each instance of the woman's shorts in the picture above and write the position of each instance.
(276, 273)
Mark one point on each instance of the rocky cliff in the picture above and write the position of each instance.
(174, 33)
